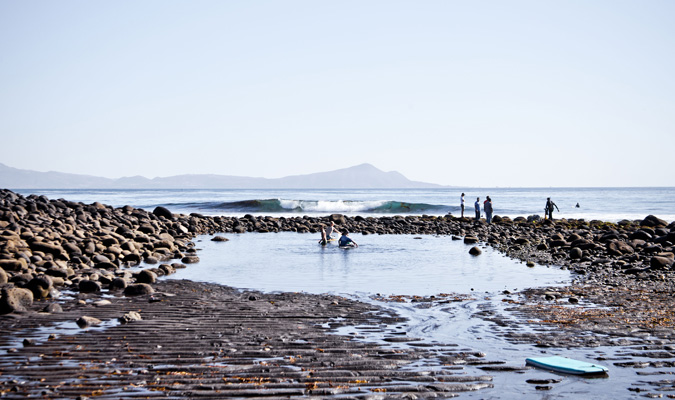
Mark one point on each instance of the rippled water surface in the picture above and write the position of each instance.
(423, 266)
(385, 264)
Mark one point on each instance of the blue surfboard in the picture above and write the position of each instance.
(567, 365)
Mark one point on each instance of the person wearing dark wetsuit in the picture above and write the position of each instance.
(549, 208)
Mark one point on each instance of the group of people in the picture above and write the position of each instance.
(487, 207)
(345, 241)
(327, 235)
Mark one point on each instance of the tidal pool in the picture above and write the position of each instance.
(407, 265)
(385, 264)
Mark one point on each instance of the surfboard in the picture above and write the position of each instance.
(567, 365)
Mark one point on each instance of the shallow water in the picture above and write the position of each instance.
(393, 265)
(386, 264)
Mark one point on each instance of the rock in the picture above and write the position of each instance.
(653, 221)
(89, 286)
(132, 259)
(522, 240)
(470, 239)
(40, 286)
(86, 322)
(573, 300)
(657, 262)
(576, 253)
(338, 219)
(190, 259)
(52, 308)
(49, 248)
(162, 212)
(475, 251)
(117, 284)
(641, 235)
(151, 260)
(619, 248)
(167, 269)
(3, 276)
(15, 300)
(13, 265)
(138, 289)
(130, 317)
(146, 276)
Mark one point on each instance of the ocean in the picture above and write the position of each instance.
(606, 204)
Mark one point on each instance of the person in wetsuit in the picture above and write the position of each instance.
(548, 210)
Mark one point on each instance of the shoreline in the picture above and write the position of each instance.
(55, 245)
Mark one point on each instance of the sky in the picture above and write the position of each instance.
(462, 93)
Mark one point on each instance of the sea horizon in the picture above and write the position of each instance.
(596, 203)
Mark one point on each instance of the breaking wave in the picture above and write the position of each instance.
(330, 206)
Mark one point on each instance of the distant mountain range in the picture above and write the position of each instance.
(358, 177)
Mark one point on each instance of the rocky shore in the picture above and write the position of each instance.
(51, 247)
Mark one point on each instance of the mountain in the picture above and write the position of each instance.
(362, 176)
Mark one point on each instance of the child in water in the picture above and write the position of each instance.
(345, 240)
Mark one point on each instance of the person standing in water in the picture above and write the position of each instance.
(487, 206)
(323, 240)
(330, 229)
(461, 204)
(549, 208)
(477, 206)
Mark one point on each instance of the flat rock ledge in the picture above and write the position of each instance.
(195, 340)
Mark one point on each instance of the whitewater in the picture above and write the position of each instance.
(606, 204)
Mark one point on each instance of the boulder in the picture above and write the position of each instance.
(653, 221)
(86, 322)
(117, 284)
(641, 235)
(52, 308)
(657, 262)
(219, 239)
(49, 248)
(162, 212)
(89, 286)
(13, 265)
(41, 286)
(146, 276)
(15, 300)
(338, 219)
(3, 276)
(190, 259)
(576, 253)
(130, 317)
(475, 251)
(138, 289)
(470, 239)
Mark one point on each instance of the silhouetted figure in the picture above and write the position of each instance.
(548, 210)
(461, 204)
(477, 206)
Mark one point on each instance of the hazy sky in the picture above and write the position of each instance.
(466, 93)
